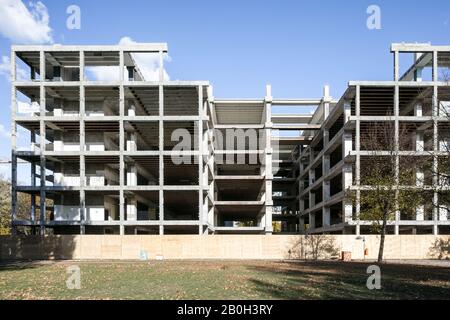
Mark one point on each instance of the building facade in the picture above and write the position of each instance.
(113, 148)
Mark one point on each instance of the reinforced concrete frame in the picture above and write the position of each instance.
(297, 185)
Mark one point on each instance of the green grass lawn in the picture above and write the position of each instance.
(221, 280)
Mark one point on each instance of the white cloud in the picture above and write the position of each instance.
(25, 25)
(102, 73)
(5, 69)
(147, 63)
(3, 132)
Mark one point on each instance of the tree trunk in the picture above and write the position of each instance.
(383, 235)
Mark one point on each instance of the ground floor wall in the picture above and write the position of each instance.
(153, 247)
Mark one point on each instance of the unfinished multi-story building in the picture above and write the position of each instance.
(112, 148)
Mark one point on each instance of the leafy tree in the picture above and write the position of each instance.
(387, 179)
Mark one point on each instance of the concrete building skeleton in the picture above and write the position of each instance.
(101, 152)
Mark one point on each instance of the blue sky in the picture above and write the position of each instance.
(239, 46)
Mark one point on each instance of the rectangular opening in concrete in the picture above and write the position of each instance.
(416, 66)
(181, 170)
(142, 66)
(142, 170)
(181, 205)
(28, 101)
(142, 205)
(336, 216)
(180, 135)
(29, 206)
(28, 66)
(101, 101)
(101, 66)
(62, 66)
(242, 190)
(443, 66)
(416, 101)
(66, 170)
(181, 101)
(62, 101)
(141, 101)
(102, 206)
(141, 136)
(102, 170)
(66, 206)
(102, 135)
(63, 135)
(377, 101)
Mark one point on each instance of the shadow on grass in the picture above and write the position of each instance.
(338, 280)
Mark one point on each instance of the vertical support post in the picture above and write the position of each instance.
(161, 157)
(82, 147)
(396, 66)
(13, 143)
(121, 144)
(347, 171)
(200, 160)
(435, 165)
(42, 145)
(33, 179)
(358, 158)
(396, 153)
(268, 151)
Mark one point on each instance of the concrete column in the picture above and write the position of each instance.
(132, 142)
(33, 180)
(42, 145)
(312, 222)
(131, 175)
(358, 229)
(268, 160)
(131, 208)
(435, 149)
(397, 158)
(161, 158)
(347, 206)
(13, 142)
(396, 66)
(326, 217)
(121, 144)
(301, 224)
(200, 160)
(131, 110)
(358, 156)
(82, 151)
(420, 144)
